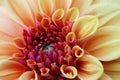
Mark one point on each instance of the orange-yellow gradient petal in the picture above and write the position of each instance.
(22, 10)
(89, 68)
(63, 4)
(46, 6)
(105, 44)
(108, 12)
(112, 68)
(8, 49)
(28, 75)
(85, 26)
(8, 28)
(11, 69)
(82, 5)
(105, 77)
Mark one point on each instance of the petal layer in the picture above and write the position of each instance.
(10, 69)
(7, 49)
(105, 44)
(85, 26)
(28, 75)
(112, 68)
(89, 68)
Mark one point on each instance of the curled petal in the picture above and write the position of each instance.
(69, 72)
(31, 63)
(77, 51)
(85, 26)
(89, 68)
(45, 72)
(71, 15)
(70, 37)
(57, 15)
(29, 75)
(105, 44)
(47, 10)
(45, 22)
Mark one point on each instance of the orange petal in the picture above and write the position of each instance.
(13, 76)
(29, 75)
(7, 49)
(89, 68)
(22, 10)
(63, 4)
(19, 42)
(69, 72)
(105, 44)
(85, 26)
(70, 37)
(46, 6)
(8, 67)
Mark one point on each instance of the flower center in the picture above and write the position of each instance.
(46, 47)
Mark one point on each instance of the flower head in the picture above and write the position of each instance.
(58, 40)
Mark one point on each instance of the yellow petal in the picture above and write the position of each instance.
(77, 51)
(106, 11)
(8, 67)
(1, 1)
(105, 77)
(29, 75)
(105, 44)
(89, 68)
(112, 19)
(57, 15)
(81, 4)
(71, 15)
(85, 26)
(7, 49)
(46, 6)
(112, 68)
(21, 8)
(33, 4)
(69, 72)
(63, 4)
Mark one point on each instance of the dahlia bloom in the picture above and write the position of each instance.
(59, 40)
